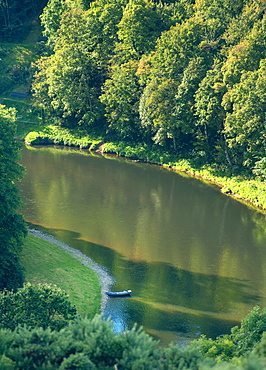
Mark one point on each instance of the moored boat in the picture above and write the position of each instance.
(120, 294)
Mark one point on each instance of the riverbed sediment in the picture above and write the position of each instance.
(106, 280)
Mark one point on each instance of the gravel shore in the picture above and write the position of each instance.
(105, 279)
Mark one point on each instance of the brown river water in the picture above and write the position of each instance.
(194, 258)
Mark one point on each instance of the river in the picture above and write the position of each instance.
(194, 258)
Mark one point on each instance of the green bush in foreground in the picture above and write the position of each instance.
(241, 341)
(89, 344)
(33, 306)
(92, 344)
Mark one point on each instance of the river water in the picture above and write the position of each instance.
(194, 258)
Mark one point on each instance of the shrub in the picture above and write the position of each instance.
(35, 306)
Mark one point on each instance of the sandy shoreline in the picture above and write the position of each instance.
(105, 279)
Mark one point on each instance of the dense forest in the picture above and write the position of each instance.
(186, 76)
(17, 18)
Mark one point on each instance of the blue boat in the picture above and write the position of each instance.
(123, 293)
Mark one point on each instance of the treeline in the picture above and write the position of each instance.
(188, 76)
(87, 344)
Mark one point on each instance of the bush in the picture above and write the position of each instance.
(240, 342)
(35, 306)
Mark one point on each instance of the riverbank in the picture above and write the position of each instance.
(250, 190)
(48, 260)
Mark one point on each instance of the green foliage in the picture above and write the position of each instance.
(139, 28)
(103, 18)
(53, 135)
(121, 97)
(250, 332)
(260, 168)
(245, 123)
(240, 342)
(51, 16)
(35, 306)
(90, 344)
(175, 73)
(11, 272)
(70, 79)
(15, 67)
(12, 227)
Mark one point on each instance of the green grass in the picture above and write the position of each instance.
(62, 136)
(29, 117)
(47, 263)
(15, 67)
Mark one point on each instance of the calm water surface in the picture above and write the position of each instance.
(194, 258)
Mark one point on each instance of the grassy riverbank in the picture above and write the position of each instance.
(251, 190)
(32, 129)
(47, 263)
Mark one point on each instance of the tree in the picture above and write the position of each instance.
(90, 344)
(35, 306)
(157, 110)
(102, 21)
(12, 226)
(174, 72)
(68, 83)
(51, 16)
(246, 55)
(241, 25)
(240, 342)
(121, 98)
(139, 28)
(245, 122)
(210, 114)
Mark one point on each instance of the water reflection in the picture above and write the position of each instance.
(194, 258)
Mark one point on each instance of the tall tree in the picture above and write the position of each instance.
(246, 55)
(51, 16)
(121, 98)
(138, 29)
(245, 124)
(173, 74)
(210, 114)
(68, 83)
(12, 227)
(102, 20)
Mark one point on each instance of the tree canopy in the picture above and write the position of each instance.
(178, 74)
(92, 344)
(33, 306)
(12, 227)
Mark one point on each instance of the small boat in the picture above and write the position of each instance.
(123, 293)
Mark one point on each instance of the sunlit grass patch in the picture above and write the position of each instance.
(47, 263)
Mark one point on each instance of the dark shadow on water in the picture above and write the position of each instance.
(165, 298)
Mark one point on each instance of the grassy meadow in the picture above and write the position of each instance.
(47, 263)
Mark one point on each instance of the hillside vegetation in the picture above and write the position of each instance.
(185, 76)
(179, 83)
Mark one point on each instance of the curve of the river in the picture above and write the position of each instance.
(194, 258)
